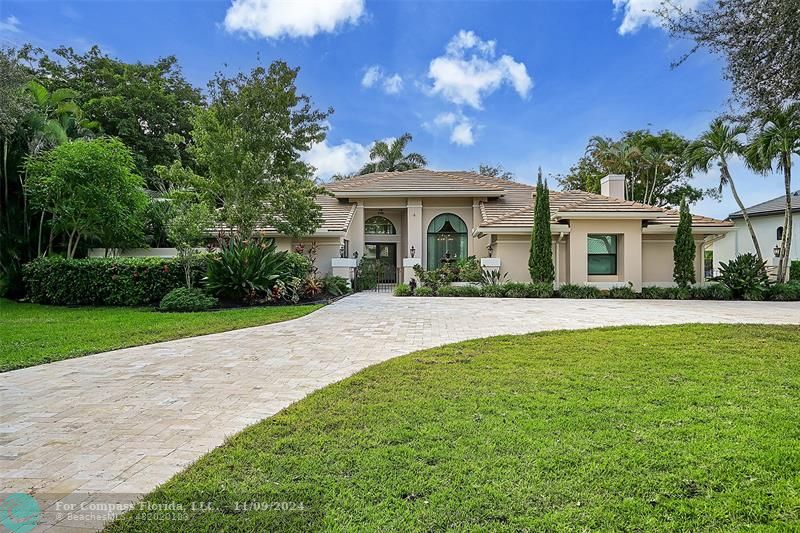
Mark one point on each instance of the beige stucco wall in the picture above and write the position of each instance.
(658, 261)
(629, 255)
(327, 249)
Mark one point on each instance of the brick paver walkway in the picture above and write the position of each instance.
(112, 426)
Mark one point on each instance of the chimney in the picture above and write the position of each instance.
(613, 186)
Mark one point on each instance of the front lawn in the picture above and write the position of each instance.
(665, 428)
(32, 334)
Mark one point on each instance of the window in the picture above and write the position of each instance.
(447, 234)
(345, 248)
(779, 233)
(602, 255)
(379, 225)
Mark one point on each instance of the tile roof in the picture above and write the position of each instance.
(336, 216)
(510, 203)
(770, 207)
(417, 180)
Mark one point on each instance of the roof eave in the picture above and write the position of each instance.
(418, 194)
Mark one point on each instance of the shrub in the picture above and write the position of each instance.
(794, 271)
(493, 277)
(667, 293)
(493, 291)
(366, 275)
(469, 269)
(516, 290)
(297, 265)
(183, 299)
(712, 291)
(127, 281)
(569, 290)
(539, 290)
(468, 291)
(402, 289)
(424, 291)
(622, 293)
(744, 276)
(245, 271)
(335, 285)
(311, 287)
(785, 292)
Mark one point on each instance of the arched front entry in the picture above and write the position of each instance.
(447, 233)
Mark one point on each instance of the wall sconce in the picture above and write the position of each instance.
(490, 249)
(777, 250)
(341, 251)
(413, 251)
(355, 255)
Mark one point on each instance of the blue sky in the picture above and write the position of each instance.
(521, 84)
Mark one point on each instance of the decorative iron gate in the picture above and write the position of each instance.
(376, 276)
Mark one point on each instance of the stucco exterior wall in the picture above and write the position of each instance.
(629, 251)
(513, 251)
(327, 249)
(739, 242)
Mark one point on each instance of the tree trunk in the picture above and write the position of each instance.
(743, 209)
(39, 241)
(786, 243)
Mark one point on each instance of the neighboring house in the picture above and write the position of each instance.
(767, 220)
(418, 216)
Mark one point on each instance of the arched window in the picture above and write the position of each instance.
(779, 233)
(447, 233)
(379, 225)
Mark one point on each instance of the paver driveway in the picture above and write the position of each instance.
(115, 425)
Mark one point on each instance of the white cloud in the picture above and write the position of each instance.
(638, 13)
(462, 128)
(342, 158)
(374, 76)
(10, 25)
(468, 71)
(273, 19)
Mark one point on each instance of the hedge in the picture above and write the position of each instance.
(794, 271)
(129, 281)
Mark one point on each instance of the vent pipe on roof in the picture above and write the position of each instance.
(613, 186)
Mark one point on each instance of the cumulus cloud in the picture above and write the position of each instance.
(10, 25)
(273, 19)
(462, 128)
(469, 71)
(375, 77)
(638, 13)
(343, 158)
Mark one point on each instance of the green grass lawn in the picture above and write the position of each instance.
(33, 334)
(666, 428)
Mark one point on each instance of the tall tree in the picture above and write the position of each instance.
(684, 249)
(776, 141)
(248, 145)
(719, 143)
(91, 188)
(759, 40)
(652, 164)
(540, 260)
(392, 157)
(139, 103)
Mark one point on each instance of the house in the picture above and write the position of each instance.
(767, 220)
(418, 217)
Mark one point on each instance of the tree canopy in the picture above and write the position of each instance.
(495, 171)
(759, 40)
(248, 143)
(391, 157)
(653, 165)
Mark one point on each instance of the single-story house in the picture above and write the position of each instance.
(420, 216)
(767, 220)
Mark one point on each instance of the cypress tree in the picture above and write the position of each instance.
(683, 252)
(540, 260)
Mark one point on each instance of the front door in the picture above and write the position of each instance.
(386, 255)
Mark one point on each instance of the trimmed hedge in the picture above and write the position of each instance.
(569, 290)
(462, 291)
(794, 271)
(125, 281)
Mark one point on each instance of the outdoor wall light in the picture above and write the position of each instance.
(355, 255)
(490, 249)
(413, 251)
(341, 252)
(777, 250)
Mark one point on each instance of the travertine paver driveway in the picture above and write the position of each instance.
(115, 425)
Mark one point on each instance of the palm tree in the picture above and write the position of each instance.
(778, 138)
(719, 143)
(390, 157)
(618, 157)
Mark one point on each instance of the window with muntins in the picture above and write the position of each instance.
(602, 254)
(379, 225)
